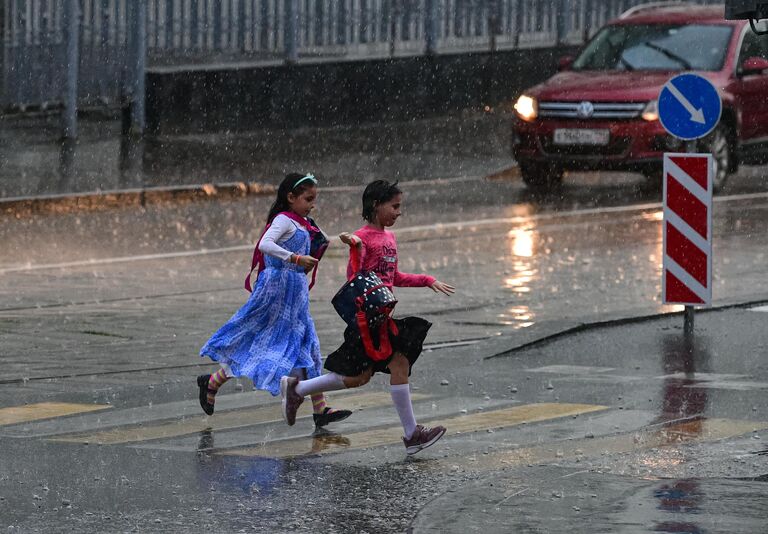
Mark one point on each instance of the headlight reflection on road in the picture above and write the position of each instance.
(520, 273)
(657, 259)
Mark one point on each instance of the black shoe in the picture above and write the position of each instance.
(322, 419)
(202, 383)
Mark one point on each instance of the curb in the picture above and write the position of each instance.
(120, 198)
(102, 200)
(594, 325)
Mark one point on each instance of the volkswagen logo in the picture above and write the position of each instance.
(585, 110)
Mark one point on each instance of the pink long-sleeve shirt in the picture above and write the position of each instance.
(379, 254)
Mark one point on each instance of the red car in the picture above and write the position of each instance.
(600, 112)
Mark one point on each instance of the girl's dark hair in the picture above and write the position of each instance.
(378, 192)
(288, 185)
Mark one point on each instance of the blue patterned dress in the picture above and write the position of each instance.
(273, 333)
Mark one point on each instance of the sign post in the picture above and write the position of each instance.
(689, 109)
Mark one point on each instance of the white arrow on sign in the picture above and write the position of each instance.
(697, 115)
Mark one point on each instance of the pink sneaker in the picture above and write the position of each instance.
(422, 438)
(291, 399)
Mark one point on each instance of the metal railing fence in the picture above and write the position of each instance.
(116, 40)
(223, 31)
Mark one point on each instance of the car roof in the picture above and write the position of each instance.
(683, 13)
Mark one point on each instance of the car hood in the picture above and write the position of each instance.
(602, 86)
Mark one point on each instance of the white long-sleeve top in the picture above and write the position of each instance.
(281, 230)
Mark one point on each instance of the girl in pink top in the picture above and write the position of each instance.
(349, 365)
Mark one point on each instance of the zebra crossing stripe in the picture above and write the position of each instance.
(218, 422)
(502, 418)
(44, 410)
(656, 438)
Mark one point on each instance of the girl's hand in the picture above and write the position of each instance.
(442, 287)
(307, 262)
(350, 239)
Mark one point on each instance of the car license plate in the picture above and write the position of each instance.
(581, 136)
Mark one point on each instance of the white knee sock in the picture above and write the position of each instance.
(401, 398)
(301, 374)
(329, 382)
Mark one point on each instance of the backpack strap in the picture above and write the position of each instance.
(256, 261)
(385, 346)
(258, 258)
(312, 229)
(314, 275)
(301, 220)
(354, 259)
(388, 325)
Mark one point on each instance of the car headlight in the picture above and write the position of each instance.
(651, 111)
(527, 108)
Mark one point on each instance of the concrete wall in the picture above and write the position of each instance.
(340, 93)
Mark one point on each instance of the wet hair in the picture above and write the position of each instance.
(378, 192)
(290, 184)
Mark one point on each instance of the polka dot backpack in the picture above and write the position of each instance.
(366, 304)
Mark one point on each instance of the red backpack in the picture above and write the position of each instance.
(366, 303)
(318, 245)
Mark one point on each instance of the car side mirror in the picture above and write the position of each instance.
(565, 63)
(754, 65)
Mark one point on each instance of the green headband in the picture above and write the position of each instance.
(309, 177)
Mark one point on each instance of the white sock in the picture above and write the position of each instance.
(401, 398)
(298, 373)
(329, 382)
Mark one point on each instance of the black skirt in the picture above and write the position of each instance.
(350, 359)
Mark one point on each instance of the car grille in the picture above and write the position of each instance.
(590, 110)
(616, 147)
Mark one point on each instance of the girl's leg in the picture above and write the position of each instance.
(323, 414)
(359, 380)
(328, 382)
(401, 393)
(208, 386)
(293, 391)
(319, 404)
(332, 382)
(417, 437)
(215, 382)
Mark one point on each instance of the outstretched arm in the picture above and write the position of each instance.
(442, 287)
(423, 280)
(413, 280)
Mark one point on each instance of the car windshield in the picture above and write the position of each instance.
(656, 47)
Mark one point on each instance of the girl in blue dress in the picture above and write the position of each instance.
(273, 334)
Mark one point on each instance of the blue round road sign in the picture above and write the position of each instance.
(689, 106)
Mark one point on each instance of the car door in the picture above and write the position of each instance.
(751, 92)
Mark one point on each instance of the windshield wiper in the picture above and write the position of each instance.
(627, 65)
(671, 55)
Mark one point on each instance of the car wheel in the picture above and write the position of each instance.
(541, 177)
(719, 145)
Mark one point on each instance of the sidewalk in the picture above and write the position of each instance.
(706, 397)
(102, 167)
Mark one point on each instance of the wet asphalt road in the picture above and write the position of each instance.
(103, 312)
